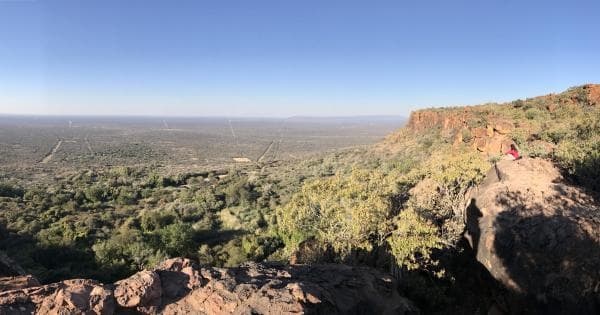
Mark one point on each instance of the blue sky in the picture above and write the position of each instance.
(283, 58)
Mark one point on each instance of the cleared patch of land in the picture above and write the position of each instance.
(48, 157)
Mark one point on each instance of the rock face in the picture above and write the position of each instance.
(537, 235)
(178, 286)
(488, 132)
(67, 297)
(425, 119)
(593, 93)
(17, 282)
(490, 139)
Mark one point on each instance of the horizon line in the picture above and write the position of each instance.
(201, 116)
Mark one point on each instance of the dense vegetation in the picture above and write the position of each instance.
(109, 223)
(400, 210)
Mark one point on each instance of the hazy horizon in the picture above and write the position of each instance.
(374, 116)
(282, 59)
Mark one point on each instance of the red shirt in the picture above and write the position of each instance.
(514, 153)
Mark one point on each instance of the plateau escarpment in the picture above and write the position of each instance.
(535, 123)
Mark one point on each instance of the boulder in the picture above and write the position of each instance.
(489, 129)
(538, 235)
(479, 132)
(551, 107)
(593, 93)
(503, 127)
(142, 289)
(480, 144)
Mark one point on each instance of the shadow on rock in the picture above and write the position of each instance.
(548, 259)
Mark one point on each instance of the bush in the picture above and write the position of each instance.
(241, 192)
(345, 212)
(413, 241)
(466, 135)
(126, 196)
(125, 252)
(260, 247)
(11, 191)
(96, 193)
(209, 200)
(581, 160)
(532, 113)
(155, 220)
(519, 136)
(440, 196)
(579, 155)
(554, 135)
(177, 239)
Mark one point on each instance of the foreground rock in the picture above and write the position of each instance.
(178, 286)
(77, 296)
(538, 236)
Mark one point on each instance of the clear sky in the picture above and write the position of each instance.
(283, 58)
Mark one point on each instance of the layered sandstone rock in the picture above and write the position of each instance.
(593, 93)
(492, 138)
(18, 282)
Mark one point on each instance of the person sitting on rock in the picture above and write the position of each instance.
(512, 154)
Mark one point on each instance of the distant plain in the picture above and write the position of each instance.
(54, 142)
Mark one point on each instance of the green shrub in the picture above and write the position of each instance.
(581, 160)
(260, 247)
(466, 135)
(96, 193)
(177, 239)
(11, 191)
(519, 136)
(345, 212)
(241, 192)
(126, 196)
(413, 241)
(554, 135)
(155, 220)
(125, 252)
(536, 150)
(532, 113)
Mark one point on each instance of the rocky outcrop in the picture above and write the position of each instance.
(489, 131)
(490, 138)
(445, 119)
(142, 290)
(537, 235)
(18, 282)
(178, 286)
(593, 94)
(67, 297)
